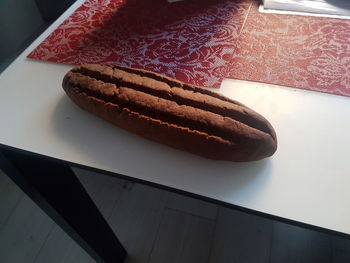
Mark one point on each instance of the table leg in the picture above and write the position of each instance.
(55, 188)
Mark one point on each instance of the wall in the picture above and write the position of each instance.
(20, 21)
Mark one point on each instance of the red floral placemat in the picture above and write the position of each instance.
(192, 40)
(296, 51)
(204, 41)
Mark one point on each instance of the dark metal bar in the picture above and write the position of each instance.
(55, 188)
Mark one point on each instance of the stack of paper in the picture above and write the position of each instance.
(326, 7)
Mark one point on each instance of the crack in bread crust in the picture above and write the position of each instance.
(174, 91)
(166, 110)
(199, 120)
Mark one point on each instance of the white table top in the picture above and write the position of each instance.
(307, 180)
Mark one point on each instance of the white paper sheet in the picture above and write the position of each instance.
(322, 7)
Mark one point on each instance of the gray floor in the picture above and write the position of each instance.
(158, 226)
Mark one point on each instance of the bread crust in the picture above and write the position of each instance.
(170, 112)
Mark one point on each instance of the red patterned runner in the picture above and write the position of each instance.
(204, 41)
(296, 51)
(192, 41)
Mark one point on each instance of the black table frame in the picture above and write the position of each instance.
(54, 187)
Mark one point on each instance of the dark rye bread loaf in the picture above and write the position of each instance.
(171, 112)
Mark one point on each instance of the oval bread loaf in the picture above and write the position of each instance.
(171, 112)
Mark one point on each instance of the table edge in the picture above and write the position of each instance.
(181, 192)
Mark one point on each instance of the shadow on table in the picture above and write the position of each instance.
(126, 27)
(189, 40)
(95, 142)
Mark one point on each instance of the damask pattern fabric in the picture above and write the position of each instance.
(203, 41)
(296, 51)
(191, 41)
